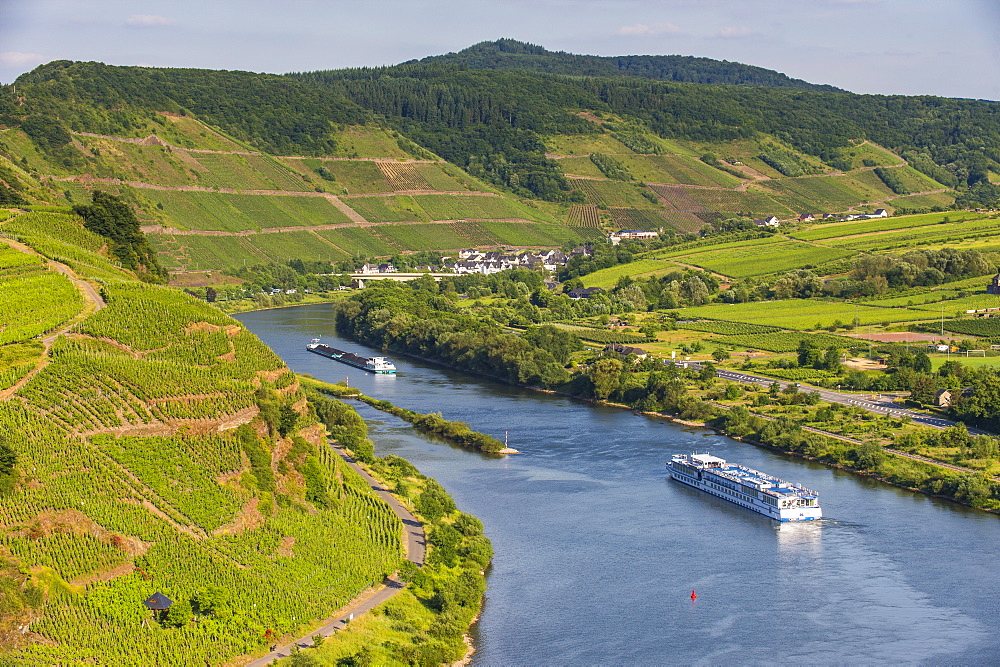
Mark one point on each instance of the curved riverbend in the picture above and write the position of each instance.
(597, 551)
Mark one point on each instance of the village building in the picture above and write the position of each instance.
(994, 286)
(942, 398)
(625, 350)
(583, 292)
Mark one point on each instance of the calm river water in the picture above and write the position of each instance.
(597, 551)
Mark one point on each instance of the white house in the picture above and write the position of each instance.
(769, 221)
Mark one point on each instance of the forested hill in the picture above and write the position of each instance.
(275, 113)
(499, 119)
(509, 54)
(471, 117)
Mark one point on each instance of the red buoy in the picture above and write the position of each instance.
(693, 595)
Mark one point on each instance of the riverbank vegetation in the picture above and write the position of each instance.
(456, 432)
(158, 447)
(433, 323)
(425, 624)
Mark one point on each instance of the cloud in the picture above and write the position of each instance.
(734, 31)
(18, 59)
(149, 21)
(653, 29)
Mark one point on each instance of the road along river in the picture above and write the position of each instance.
(597, 552)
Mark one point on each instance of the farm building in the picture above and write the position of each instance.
(583, 292)
(158, 602)
(769, 221)
(994, 286)
(615, 237)
(807, 217)
(625, 350)
(942, 399)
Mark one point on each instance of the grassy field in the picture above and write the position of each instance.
(643, 268)
(456, 207)
(350, 177)
(400, 208)
(942, 199)
(843, 229)
(753, 202)
(611, 193)
(858, 154)
(282, 246)
(973, 231)
(580, 166)
(215, 211)
(975, 361)
(803, 314)
(356, 241)
(952, 306)
(584, 144)
(760, 259)
(150, 164)
(424, 237)
(535, 234)
(817, 194)
(195, 253)
(190, 133)
(359, 141)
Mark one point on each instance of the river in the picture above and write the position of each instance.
(597, 552)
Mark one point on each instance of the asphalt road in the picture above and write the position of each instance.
(883, 406)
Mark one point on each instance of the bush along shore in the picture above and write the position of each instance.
(456, 432)
(426, 623)
(420, 322)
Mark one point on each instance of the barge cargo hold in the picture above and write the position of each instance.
(379, 365)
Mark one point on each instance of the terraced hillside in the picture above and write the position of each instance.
(160, 447)
(209, 202)
(667, 187)
(232, 167)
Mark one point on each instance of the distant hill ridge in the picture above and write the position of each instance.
(510, 54)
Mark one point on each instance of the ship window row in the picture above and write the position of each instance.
(730, 492)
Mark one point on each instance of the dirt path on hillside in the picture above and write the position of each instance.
(153, 140)
(142, 185)
(361, 159)
(160, 229)
(93, 302)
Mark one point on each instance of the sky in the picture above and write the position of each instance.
(910, 47)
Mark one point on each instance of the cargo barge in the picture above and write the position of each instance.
(379, 365)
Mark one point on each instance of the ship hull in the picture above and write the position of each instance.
(377, 365)
(767, 498)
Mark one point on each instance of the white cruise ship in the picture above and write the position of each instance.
(746, 487)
